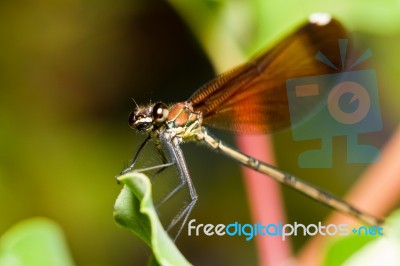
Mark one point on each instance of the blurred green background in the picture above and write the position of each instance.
(68, 71)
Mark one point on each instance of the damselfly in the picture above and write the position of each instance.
(251, 98)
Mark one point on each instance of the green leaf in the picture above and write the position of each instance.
(368, 250)
(34, 242)
(135, 211)
(230, 31)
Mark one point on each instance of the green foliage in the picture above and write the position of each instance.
(34, 242)
(368, 250)
(134, 210)
(247, 26)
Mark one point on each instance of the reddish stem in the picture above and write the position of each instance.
(264, 198)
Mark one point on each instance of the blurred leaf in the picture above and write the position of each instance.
(342, 249)
(208, 20)
(373, 16)
(368, 250)
(229, 29)
(34, 242)
(135, 211)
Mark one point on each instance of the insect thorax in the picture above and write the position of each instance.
(184, 121)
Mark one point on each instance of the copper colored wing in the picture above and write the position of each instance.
(252, 98)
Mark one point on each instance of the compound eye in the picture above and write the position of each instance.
(132, 119)
(160, 112)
